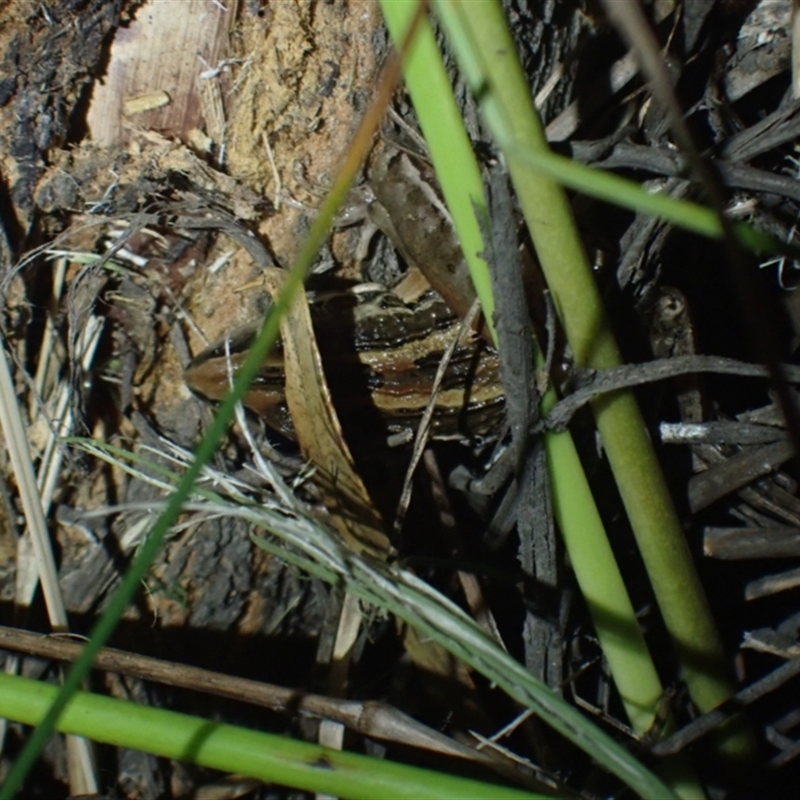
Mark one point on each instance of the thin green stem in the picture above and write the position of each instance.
(497, 78)
(270, 758)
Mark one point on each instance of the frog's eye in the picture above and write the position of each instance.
(390, 302)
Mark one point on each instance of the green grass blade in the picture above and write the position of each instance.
(447, 140)
(497, 77)
(608, 600)
(270, 758)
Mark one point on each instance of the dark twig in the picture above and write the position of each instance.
(708, 722)
(628, 375)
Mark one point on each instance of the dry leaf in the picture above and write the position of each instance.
(320, 437)
(319, 433)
